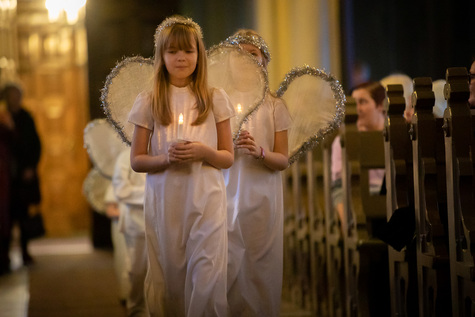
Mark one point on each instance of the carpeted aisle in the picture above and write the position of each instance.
(74, 285)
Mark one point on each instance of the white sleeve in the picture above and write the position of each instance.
(128, 185)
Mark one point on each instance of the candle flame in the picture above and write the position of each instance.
(239, 108)
(180, 118)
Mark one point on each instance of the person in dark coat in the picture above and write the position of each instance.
(6, 138)
(26, 151)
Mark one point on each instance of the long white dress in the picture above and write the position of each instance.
(255, 220)
(185, 214)
(129, 188)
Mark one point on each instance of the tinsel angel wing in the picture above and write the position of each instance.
(316, 102)
(94, 189)
(241, 76)
(103, 145)
(229, 67)
(129, 78)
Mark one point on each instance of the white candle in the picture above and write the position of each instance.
(180, 127)
(239, 109)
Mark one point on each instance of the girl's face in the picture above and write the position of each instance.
(369, 113)
(180, 63)
(254, 51)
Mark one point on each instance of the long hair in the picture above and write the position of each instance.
(182, 36)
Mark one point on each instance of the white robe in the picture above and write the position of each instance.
(129, 188)
(185, 214)
(255, 220)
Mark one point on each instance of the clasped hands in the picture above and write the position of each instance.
(186, 152)
(246, 141)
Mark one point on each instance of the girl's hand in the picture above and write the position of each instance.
(186, 152)
(246, 141)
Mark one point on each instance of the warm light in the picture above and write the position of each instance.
(239, 108)
(180, 127)
(54, 9)
(70, 7)
(7, 5)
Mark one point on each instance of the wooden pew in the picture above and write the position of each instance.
(307, 282)
(400, 198)
(365, 257)
(430, 204)
(460, 150)
(335, 273)
(315, 181)
(297, 267)
(290, 232)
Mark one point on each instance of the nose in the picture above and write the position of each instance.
(181, 55)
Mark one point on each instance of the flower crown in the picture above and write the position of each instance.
(168, 22)
(255, 40)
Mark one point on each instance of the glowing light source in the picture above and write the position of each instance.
(180, 127)
(70, 7)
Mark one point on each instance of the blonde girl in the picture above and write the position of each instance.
(185, 195)
(255, 201)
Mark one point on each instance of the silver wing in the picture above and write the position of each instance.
(316, 102)
(103, 145)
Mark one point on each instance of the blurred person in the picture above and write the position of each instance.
(119, 246)
(440, 102)
(471, 74)
(129, 189)
(255, 200)
(369, 98)
(26, 151)
(6, 141)
(406, 82)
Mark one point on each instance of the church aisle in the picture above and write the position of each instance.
(69, 278)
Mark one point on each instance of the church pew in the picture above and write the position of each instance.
(297, 277)
(430, 204)
(335, 273)
(459, 150)
(400, 200)
(315, 180)
(365, 256)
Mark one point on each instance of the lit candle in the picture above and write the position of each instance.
(180, 127)
(239, 113)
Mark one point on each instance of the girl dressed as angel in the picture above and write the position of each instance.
(185, 195)
(255, 200)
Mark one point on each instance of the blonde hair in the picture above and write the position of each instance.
(180, 32)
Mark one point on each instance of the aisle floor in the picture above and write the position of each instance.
(22, 292)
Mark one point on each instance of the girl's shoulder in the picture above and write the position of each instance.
(219, 96)
(144, 97)
(274, 101)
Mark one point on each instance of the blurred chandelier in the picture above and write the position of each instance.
(69, 8)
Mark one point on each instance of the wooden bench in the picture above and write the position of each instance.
(430, 204)
(400, 199)
(365, 256)
(460, 150)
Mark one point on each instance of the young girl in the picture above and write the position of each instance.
(255, 201)
(185, 195)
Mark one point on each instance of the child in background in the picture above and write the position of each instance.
(119, 247)
(255, 201)
(129, 190)
(185, 195)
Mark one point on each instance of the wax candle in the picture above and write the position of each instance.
(180, 127)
